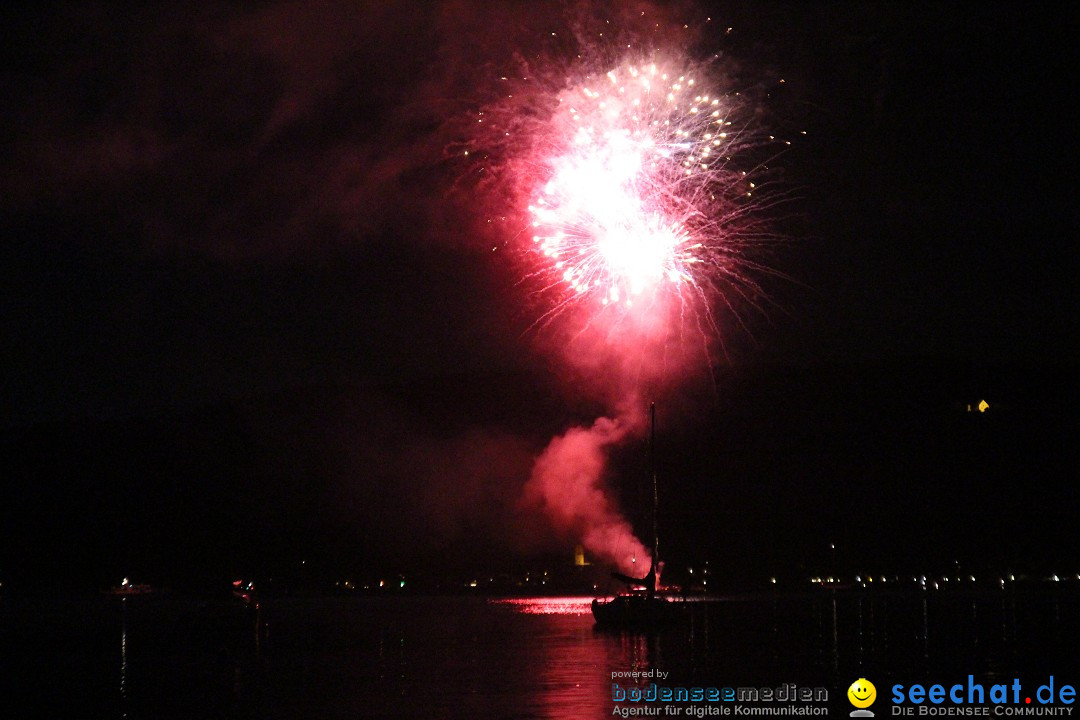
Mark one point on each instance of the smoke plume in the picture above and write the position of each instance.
(568, 481)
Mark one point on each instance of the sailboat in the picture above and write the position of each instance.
(641, 606)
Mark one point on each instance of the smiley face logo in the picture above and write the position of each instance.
(862, 693)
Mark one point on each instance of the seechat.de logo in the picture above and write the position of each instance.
(862, 695)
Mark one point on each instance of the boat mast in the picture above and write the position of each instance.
(656, 493)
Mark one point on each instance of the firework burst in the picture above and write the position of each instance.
(640, 186)
(636, 180)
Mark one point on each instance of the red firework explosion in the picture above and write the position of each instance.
(638, 159)
(639, 194)
(642, 179)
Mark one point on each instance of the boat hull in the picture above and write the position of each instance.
(636, 612)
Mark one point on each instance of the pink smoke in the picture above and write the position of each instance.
(568, 481)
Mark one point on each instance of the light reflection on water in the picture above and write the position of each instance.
(465, 657)
(123, 657)
(548, 606)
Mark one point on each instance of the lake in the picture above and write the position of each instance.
(471, 657)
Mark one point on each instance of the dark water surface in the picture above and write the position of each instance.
(459, 657)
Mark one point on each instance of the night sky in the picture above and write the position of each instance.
(252, 314)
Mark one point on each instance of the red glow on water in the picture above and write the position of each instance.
(548, 606)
